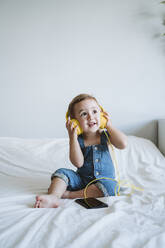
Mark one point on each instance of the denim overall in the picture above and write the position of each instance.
(97, 164)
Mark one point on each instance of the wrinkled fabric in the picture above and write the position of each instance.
(130, 221)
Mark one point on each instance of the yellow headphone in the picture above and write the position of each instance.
(103, 121)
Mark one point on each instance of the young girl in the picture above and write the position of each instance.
(89, 152)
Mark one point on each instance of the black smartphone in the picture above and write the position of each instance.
(91, 203)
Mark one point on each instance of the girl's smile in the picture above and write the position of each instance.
(91, 124)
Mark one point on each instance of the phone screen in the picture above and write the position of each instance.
(91, 203)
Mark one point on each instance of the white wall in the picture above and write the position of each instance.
(53, 50)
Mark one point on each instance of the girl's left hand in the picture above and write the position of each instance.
(107, 116)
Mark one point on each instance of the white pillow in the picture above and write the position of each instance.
(141, 163)
(30, 157)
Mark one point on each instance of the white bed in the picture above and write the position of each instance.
(134, 221)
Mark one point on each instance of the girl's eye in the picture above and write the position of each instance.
(95, 111)
(83, 114)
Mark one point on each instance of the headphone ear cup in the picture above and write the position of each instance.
(103, 121)
(76, 123)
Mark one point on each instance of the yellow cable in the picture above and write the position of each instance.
(119, 182)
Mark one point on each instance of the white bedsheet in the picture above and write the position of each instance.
(134, 221)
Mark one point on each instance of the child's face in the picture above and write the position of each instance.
(87, 112)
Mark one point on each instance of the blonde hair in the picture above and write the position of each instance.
(78, 99)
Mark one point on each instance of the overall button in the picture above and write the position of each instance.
(96, 148)
(97, 173)
(96, 160)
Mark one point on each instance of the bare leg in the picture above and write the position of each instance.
(92, 191)
(55, 192)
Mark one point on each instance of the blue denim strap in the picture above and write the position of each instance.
(104, 137)
(81, 141)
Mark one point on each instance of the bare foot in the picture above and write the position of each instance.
(47, 201)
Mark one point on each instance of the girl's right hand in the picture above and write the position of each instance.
(72, 131)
